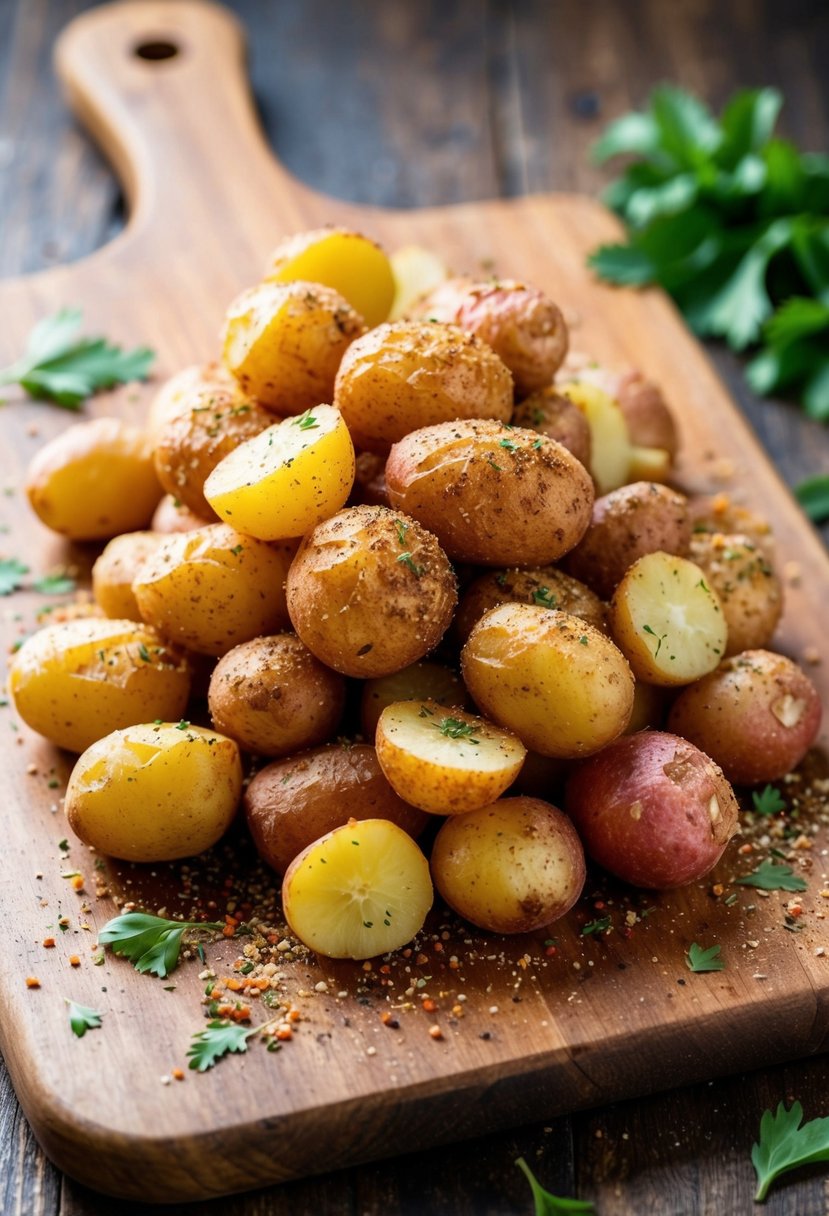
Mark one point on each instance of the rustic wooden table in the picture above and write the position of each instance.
(407, 105)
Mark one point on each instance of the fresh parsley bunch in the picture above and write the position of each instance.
(733, 222)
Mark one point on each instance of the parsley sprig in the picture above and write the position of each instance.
(218, 1038)
(767, 801)
(784, 1145)
(773, 876)
(151, 943)
(82, 1018)
(546, 1204)
(699, 958)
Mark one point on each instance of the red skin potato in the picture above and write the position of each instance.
(653, 810)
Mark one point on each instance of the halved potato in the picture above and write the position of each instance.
(610, 446)
(347, 261)
(416, 271)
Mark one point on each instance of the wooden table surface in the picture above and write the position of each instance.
(387, 102)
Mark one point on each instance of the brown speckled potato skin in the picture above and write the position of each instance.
(273, 697)
(718, 513)
(547, 587)
(550, 413)
(115, 570)
(644, 517)
(370, 591)
(292, 802)
(493, 495)
(750, 592)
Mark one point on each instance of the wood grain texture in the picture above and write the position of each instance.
(650, 1120)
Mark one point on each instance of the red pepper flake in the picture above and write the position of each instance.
(284, 1033)
(435, 1032)
(74, 960)
(438, 947)
(551, 950)
(389, 1020)
(177, 1073)
(421, 960)
(429, 1005)
(49, 942)
(32, 981)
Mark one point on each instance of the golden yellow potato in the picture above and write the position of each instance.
(416, 271)
(349, 262)
(610, 445)
(75, 681)
(558, 683)
(546, 587)
(173, 395)
(212, 588)
(425, 680)
(283, 342)
(288, 478)
(155, 791)
(410, 374)
(115, 570)
(94, 480)
(750, 592)
(557, 417)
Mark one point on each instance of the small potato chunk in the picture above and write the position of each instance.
(757, 715)
(653, 809)
(291, 803)
(549, 413)
(155, 791)
(547, 587)
(492, 494)
(174, 395)
(75, 681)
(417, 271)
(667, 620)
(419, 681)
(347, 261)
(750, 592)
(114, 572)
(559, 684)
(288, 478)
(411, 374)
(512, 867)
(445, 763)
(94, 480)
(273, 697)
(610, 445)
(172, 516)
(362, 890)
(283, 343)
(370, 591)
(212, 588)
(627, 523)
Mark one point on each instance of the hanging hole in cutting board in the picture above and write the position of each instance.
(156, 49)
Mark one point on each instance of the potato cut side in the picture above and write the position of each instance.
(445, 761)
(668, 621)
(287, 479)
(417, 271)
(649, 464)
(352, 264)
(359, 891)
(610, 446)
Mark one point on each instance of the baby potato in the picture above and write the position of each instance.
(94, 480)
(288, 478)
(174, 394)
(610, 445)
(410, 374)
(362, 890)
(155, 791)
(283, 343)
(627, 523)
(212, 588)
(370, 591)
(445, 763)
(273, 697)
(347, 261)
(77, 680)
(416, 271)
(653, 809)
(293, 802)
(757, 715)
(558, 683)
(546, 587)
(512, 867)
(557, 417)
(649, 420)
(116, 568)
(424, 680)
(667, 621)
(172, 516)
(750, 592)
(493, 495)
(719, 513)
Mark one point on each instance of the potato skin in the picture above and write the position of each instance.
(511, 867)
(549, 413)
(174, 394)
(493, 495)
(757, 715)
(653, 809)
(172, 516)
(273, 697)
(750, 592)
(409, 374)
(292, 802)
(547, 587)
(422, 680)
(351, 263)
(370, 591)
(115, 570)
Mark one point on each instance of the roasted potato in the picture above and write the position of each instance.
(547, 587)
(172, 516)
(550, 413)
(719, 513)
(611, 449)
(115, 570)
(175, 393)
(346, 261)
(750, 592)
(424, 680)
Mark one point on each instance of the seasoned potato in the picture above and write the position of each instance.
(445, 762)
(512, 867)
(291, 803)
(719, 513)
(370, 488)
(283, 343)
(547, 587)
(628, 523)
(610, 445)
(357, 902)
(75, 681)
(273, 697)
(116, 568)
(288, 478)
(523, 326)
(667, 621)
(750, 592)
(155, 791)
(424, 680)
(416, 271)
(410, 374)
(370, 591)
(653, 809)
(212, 588)
(94, 480)
(557, 417)
(189, 445)
(757, 715)
(347, 261)
(650, 423)
(557, 682)
(174, 394)
(492, 494)
(172, 516)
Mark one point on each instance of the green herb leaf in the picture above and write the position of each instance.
(601, 925)
(773, 876)
(55, 584)
(768, 801)
(454, 728)
(784, 1145)
(700, 959)
(406, 559)
(151, 943)
(217, 1039)
(623, 264)
(551, 1205)
(82, 1018)
(813, 496)
(11, 575)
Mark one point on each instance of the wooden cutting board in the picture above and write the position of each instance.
(529, 1027)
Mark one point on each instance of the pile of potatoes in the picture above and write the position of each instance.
(442, 534)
